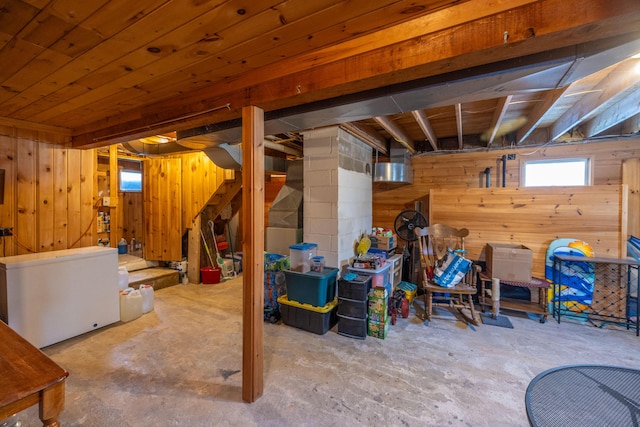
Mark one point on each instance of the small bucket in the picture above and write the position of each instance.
(210, 275)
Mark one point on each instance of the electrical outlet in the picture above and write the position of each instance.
(6, 231)
(511, 156)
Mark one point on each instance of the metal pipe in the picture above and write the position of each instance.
(487, 175)
(504, 170)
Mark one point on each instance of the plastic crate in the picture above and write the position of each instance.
(307, 317)
(352, 308)
(352, 327)
(313, 287)
(379, 276)
(409, 289)
(356, 288)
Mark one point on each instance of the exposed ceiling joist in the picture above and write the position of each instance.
(458, 108)
(423, 121)
(631, 125)
(397, 132)
(614, 115)
(538, 113)
(367, 134)
(498, 118)
(616, 85)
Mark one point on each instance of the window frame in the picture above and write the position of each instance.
(120, 180)
(587, 170)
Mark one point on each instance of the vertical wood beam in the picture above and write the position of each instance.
(253, 250)
(193, 256)
(115, 234)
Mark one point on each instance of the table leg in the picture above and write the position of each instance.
(52, 404)
(495, 297)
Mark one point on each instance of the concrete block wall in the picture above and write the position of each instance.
(337, 192)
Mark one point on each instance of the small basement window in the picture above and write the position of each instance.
(556, 173)
(130, 180)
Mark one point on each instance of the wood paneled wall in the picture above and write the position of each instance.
(49, 193)
(163, 208)
(595, 214)
(455, 174)
(466, 170)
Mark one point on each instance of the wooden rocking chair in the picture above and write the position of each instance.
(442, 237)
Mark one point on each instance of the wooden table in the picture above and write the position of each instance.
(28, 376)
(540, 307)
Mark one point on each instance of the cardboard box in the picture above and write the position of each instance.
(509, 262)
(378, 329)
(384, 242)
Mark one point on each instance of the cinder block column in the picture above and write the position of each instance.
(337, 192)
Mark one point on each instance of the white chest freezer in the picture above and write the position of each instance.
(49, 297)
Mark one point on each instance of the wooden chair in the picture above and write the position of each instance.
(434, 244)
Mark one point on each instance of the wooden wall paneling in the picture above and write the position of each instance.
(525, 216)
(163, 208)
(8, 162)
(132, 218)
(149, 170)
(462, 170)
(45, 215)
(88, 198)
(631, 177)
(60, 199)
(26, 226)
(74, 160)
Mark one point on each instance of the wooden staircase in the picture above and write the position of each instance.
(227, 193)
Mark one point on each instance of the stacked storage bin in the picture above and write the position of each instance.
(352, 305)
(378, 313)
(310, 302)
(379, 276)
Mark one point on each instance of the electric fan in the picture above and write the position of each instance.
(404, 225)
(406, 222)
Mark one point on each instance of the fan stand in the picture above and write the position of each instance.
(404, 225)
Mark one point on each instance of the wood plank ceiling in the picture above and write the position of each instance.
(101, 72)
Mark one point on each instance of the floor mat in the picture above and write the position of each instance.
(502, 321)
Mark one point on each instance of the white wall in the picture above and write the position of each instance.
(337, 192)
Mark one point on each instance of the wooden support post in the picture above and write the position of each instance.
(253, 253)
(114, 211)
(193, 257)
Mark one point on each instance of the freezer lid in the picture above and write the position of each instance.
(64, 255)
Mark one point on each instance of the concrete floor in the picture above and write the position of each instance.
(180, 365)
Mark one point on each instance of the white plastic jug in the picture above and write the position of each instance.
(130, 304)
(123, 278)
(147, 298)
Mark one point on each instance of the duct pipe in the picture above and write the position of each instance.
(504, 170)
(487, 175)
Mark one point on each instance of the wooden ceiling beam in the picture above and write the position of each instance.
(368, 135)
(458, 108)
(498, 118)
(620, 111)
(539, 112)
(425, 126)
(397, 132)
(631, 125)
(354, 66)
(619, 83)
